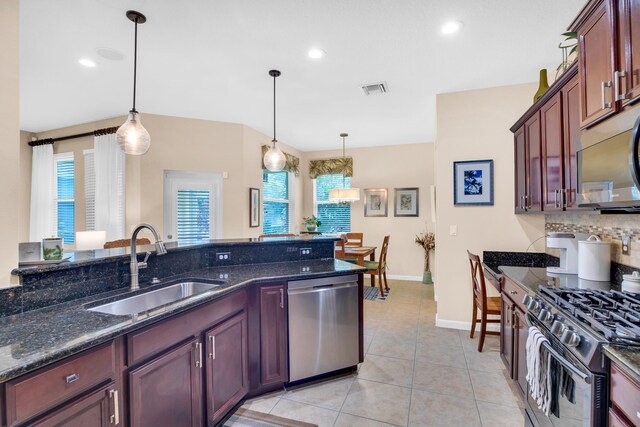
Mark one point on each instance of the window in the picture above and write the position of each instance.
(63, 198)
(334, 217)
(193, 215)
(276, 202)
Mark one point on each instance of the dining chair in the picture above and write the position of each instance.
(124, 243)
(262, 236)
(379, 268)
(339, 248)
(487, 305)
(354, 239)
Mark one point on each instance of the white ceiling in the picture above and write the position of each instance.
(209, 59)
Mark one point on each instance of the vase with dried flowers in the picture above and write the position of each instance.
(427, 241)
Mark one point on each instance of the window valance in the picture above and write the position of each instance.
(292, 165)
(331, 166)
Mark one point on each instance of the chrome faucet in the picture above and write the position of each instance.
(135, 266)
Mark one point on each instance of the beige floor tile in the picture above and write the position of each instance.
(439, 336)
(263, 403)
(494, 387)
(380, 402)
(405, 335)
(440, 354)
(387, 370)
(328, 394)
(307, 413)
(442, 379)
(493, 415)
(346, 420)
(393, 347)
(491, 342)
(367, 342)
(485, 361)
(433, 410)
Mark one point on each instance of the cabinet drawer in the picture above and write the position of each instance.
(494, 282)
(43, 389)
(157, 338)
(616, 420)
(625, 395)
(515, 292)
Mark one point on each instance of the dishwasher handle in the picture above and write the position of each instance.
(321, 288)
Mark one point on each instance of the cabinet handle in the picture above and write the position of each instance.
(212, 343)
(564, 199)
(617, 76)
(72, 378)
(198, 355)
(638, 414)
(281, 297)
(555, 195)
(513, 292)
(605, 105)
(115, 418)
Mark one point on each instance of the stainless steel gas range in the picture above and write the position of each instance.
(577, 322)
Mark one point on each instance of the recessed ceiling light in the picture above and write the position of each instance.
(451, 27)
(316, 53)
(87, 62)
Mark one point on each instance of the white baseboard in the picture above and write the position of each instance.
(464, 326)
(411, 278)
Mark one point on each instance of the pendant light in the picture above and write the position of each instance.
(274, 159)
(344, 195)
(132, 137)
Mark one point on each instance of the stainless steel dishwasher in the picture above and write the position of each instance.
(323, 325)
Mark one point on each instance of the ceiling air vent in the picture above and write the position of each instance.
(375, 88)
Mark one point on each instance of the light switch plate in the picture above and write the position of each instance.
(453, 230)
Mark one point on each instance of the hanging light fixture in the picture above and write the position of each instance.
(274, 159)
(132, 137)
(344, 195)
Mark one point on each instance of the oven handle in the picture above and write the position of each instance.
(560, 358)
(633, 153)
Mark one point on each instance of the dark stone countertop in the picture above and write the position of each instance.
(37, 338)
(628, 358)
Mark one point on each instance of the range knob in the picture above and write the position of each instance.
(557, 327)
(533, 305)
(526, 300)
(570, 338)
(545, 316)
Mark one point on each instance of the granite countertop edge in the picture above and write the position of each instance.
(73, 345)
(628, 358)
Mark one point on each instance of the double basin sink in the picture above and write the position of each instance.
(149, 300)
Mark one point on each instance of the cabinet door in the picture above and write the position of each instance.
(227, 366)
(629, 53)
(597, 58)
(552, 159)
(520, 334)
(99, 409)
(506, 334)
(168, 390)
(273, 335)
(571, 139)
(534, 164)
(520, 154)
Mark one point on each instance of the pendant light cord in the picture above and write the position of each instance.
(274, 109)
(344, 160)
(135, 64)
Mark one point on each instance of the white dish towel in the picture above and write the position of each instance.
(538, 369)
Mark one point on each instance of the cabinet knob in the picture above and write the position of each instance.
(513, 292)
(72, 378)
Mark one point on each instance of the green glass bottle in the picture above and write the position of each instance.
(544, 85)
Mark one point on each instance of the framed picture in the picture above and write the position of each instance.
(473, 182)
(406, 202)
(254, 207)
(375, 202)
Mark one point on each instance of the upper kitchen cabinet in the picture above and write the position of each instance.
(520, 151)
(628, 75)
(571, 141)
(533, 198)
(552, 158)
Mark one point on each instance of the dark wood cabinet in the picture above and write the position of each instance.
(168, 390)
(99, 408)
(628, 75)
(624, 393)
(273, 335)
(571, 141)
(551, 129)
(520, 154)
(506, 334)
(520, 334)
(597, 61)
(514, 333)
(227, 366)
(533, 198)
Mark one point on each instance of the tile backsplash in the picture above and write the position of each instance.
(608, 227)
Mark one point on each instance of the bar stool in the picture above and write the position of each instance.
(487, 305)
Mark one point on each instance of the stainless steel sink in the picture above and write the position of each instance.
(152, 299)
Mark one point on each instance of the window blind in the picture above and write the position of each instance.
(334, 217)
(89, 190)
(276, 203)
(64, 198)
(193, 215)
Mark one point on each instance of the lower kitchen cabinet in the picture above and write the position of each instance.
(520, 335)
(227, 366)
(506, 333)
(98, 409)
(167, 391)
(273, 335)
(513, 334)
(624, 391)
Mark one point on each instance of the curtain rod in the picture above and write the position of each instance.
(97, 132)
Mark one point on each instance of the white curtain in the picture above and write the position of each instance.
(42, 178)
(109, 196)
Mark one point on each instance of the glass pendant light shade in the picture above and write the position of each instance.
(132, 137)
(274, 159)
(344, 195)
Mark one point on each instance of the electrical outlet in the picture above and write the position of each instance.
(223, 276)
(305, 269)
(626, 245)
(305, 251)
(223, 256)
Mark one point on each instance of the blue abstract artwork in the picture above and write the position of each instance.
(472, 182)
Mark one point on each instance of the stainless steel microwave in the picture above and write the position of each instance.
(609, 172)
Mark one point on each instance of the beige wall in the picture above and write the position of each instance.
(10, 213)
(388, 167)
(475, 125)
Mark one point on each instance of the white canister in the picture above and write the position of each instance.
(631, 282)
(594, 259)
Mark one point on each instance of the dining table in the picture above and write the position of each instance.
(359, 253)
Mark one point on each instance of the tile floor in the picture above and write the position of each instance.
(414, 374)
